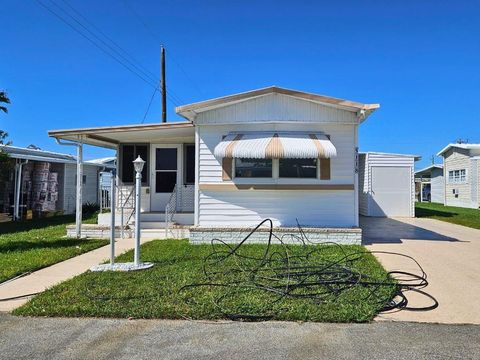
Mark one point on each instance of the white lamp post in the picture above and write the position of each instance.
(138, 163)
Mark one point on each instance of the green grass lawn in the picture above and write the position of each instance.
(451, 214)
(160, 292)
(34, 244)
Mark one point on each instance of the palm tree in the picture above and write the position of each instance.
(4, 100)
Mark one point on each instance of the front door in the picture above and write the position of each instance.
(165, 174)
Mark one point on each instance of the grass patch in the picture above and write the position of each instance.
(451, 214)
(34, 244)
(159, 292)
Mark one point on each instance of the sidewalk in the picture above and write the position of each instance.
(41, 280)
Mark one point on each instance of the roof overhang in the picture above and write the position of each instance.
(429, 168)
(458, 146)
(112, 136)
(415, 157)
(191, 110)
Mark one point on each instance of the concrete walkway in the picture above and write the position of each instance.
(40, 280)
(449, 254)
(55, 338)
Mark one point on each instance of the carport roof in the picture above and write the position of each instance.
(111, 136)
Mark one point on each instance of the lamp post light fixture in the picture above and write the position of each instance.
(138, 164)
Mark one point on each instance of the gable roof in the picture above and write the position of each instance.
(189, 111)
(459, 146)
(428, 168)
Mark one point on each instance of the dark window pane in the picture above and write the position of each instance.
(165, 181)
(128, 153)
(190, 164)
(166, 159)
(253, 168)
(298, 168)
(142, 150)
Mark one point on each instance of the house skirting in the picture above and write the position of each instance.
(345, 236)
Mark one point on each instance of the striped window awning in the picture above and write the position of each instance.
(275, 145)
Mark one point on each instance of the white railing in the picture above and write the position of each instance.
(181, 200)
(126, 203)
(104, 198)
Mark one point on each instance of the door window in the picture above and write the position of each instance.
(165, 170)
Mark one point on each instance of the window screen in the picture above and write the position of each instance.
(297, 168)
(190, 164)
(130, 152)
(253, 168)
(165, 170)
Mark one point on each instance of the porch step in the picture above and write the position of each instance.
(182, 218)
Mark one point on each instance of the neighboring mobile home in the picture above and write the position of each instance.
(430, 185)
(386, 184)
(44, 182)
(269, 153)
(461, 174)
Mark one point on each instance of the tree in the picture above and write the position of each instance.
(6, 163)
(4, 100)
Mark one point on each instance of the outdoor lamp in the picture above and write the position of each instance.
(138, 163)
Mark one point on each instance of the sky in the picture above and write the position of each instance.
(419, 59)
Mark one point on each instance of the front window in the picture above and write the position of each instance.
(253, 168)
(457, 176)
(297, 168)
(130, 152)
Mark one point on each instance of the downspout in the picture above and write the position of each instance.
(79, 186)
(18, 189)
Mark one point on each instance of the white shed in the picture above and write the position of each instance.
(386, 184)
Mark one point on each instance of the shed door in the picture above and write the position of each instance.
(391, 191)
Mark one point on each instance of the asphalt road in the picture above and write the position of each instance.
(53, 338)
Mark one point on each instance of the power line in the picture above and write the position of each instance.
(155, 37)
(108, 38)
(149, 104)
(94, 43)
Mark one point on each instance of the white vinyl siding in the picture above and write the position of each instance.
(394, 190)
(437, 186)
(247, 208)
(277, 112)
(459, 193)
(90, 187)
(342, 166)
(276, 107)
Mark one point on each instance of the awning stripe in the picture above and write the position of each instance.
(274, 148)
(275, 145)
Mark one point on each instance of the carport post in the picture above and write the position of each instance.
(78, 220)
(112, 220)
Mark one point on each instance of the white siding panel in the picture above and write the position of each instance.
(363, 187)
(276, 107)
(90, 188)
(342, 166)
(248, 208)
(437, 186)
(375, 160)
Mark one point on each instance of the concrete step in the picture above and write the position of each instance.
(179, 218)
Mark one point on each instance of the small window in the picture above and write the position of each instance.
(189, 164)
(165, 169)
(253, 168)
(298, 168)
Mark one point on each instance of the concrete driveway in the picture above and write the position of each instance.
(449, 254)
(37, 338)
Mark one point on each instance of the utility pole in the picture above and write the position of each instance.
(433, 159)
(163, 86)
